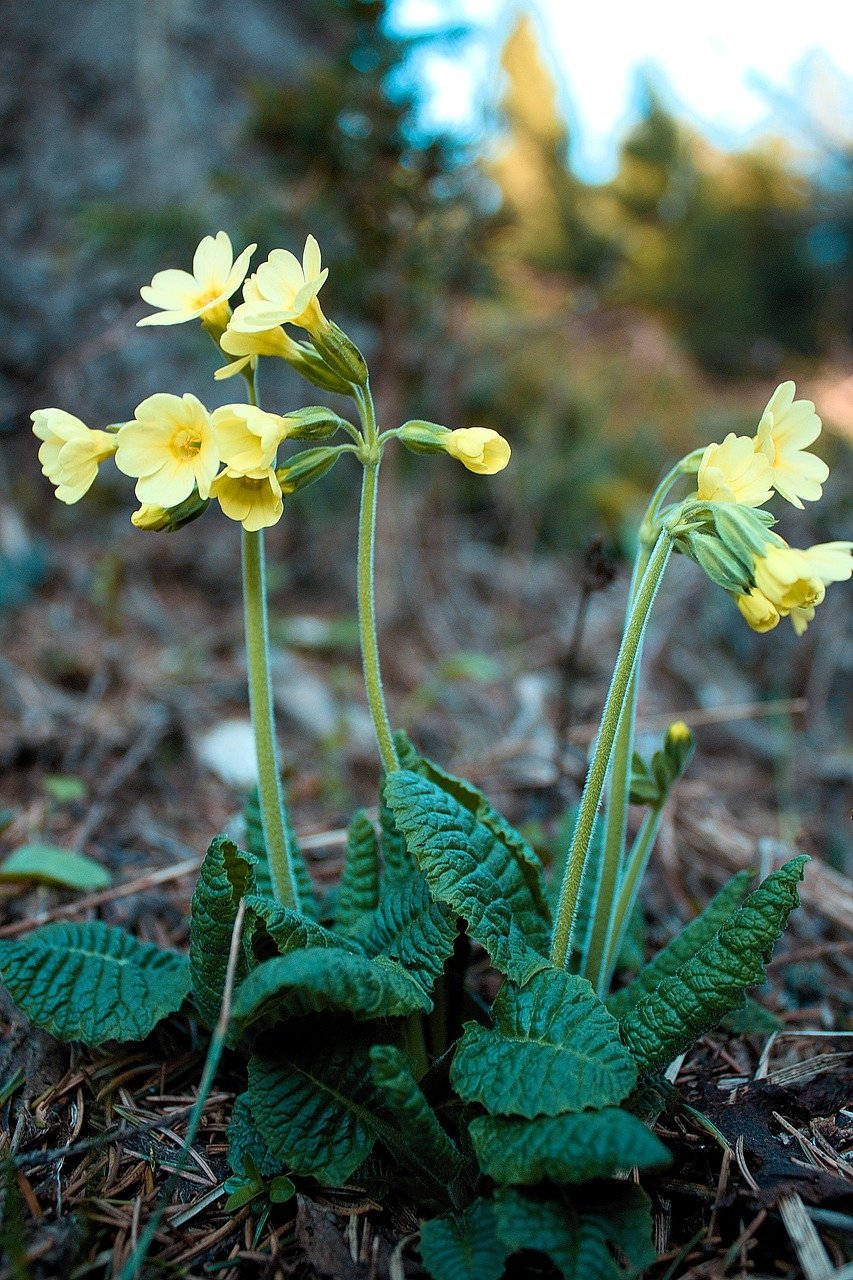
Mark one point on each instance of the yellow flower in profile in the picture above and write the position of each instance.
(252, 497)
(830, 562)
(478, 448)
(734, 472)
(150, 516)
(202, 294)
(786, 578)
(248, 437)
(286, 292)
(758, 611)
(786, 428)
(71, 452)
(248, 346)
(171, 446)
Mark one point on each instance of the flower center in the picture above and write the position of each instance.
(186, 444)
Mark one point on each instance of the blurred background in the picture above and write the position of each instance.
(602, 234)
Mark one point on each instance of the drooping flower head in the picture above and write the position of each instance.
(786, 429)
(171, 447)
(790, 581)
(252, 497)
(248, 437)
(758, 611)
(478, 448)
(284, 292)
(202, 294)
(734, 472)
(71, 452)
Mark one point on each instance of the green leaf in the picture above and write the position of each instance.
(473, 871)
(470, 798)
(566, 1148)
(581, 1234)
(714, 981)
(433, 1154)
(554, 1048)
(413, 929)
(272, 929)
(315, 979)
(684, 945)
(255, 842)
(64, 788)
(397, 863)
(316, 1108)
(93, 982)
(358, 893)
(47, 865)
(246, 1143)
(464, 1246)
(226, 876)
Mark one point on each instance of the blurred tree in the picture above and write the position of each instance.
(554, 221)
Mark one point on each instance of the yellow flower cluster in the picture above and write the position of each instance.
(787, 581)
(173, 447)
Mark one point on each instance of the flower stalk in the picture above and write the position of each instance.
(594, 786)
(367, 585)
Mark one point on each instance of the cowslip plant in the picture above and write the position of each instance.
(370, 1056)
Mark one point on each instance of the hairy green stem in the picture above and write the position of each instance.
(599, 939)
(635, 869)
(567, 909)
(367, 587)
(277, 839)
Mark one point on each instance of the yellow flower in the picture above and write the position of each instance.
(151, 517)
(787, 426)
(286, 293)
(171, 447)
(248, 346)
(252, 497)
(248, 438)
(758, 611)
(784, 576)
(830, 562)
(679, 732)
(71, 452)
(204, 294)
(734, 472)
(478, 448)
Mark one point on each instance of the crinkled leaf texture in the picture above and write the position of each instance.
(565, 1149)
(554, 1048)
(323, 979)
(582, 1235)
(93, 982)
(409, 926)
(464, 1246)
(272, 929)
(263, 880)
(226, 875)
(684, 945)
(358, 893)
(473, 871)
(414, 1117)
(714, 981)
(316, 1108)
(397, 863)
(245, 1139)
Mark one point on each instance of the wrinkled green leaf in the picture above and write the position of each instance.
(315, 979)
(226, 876)
(245, 1141)
(473, 871)
(272, 929)
(554, 1048)
(464, 1246)
(582, 1234)
(61, 867)
(714, 981)
(412, 1115)
(317, 1108)
(470, 798)
(93, 982)
(566, 1148)
(413, 929)
(397, 863)
(684, 945)
(358, 893)
(308, 904)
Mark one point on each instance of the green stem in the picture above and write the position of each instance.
(635, 868)
(277, 839)
(616, 812)
(594, 786)
(366, 581)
